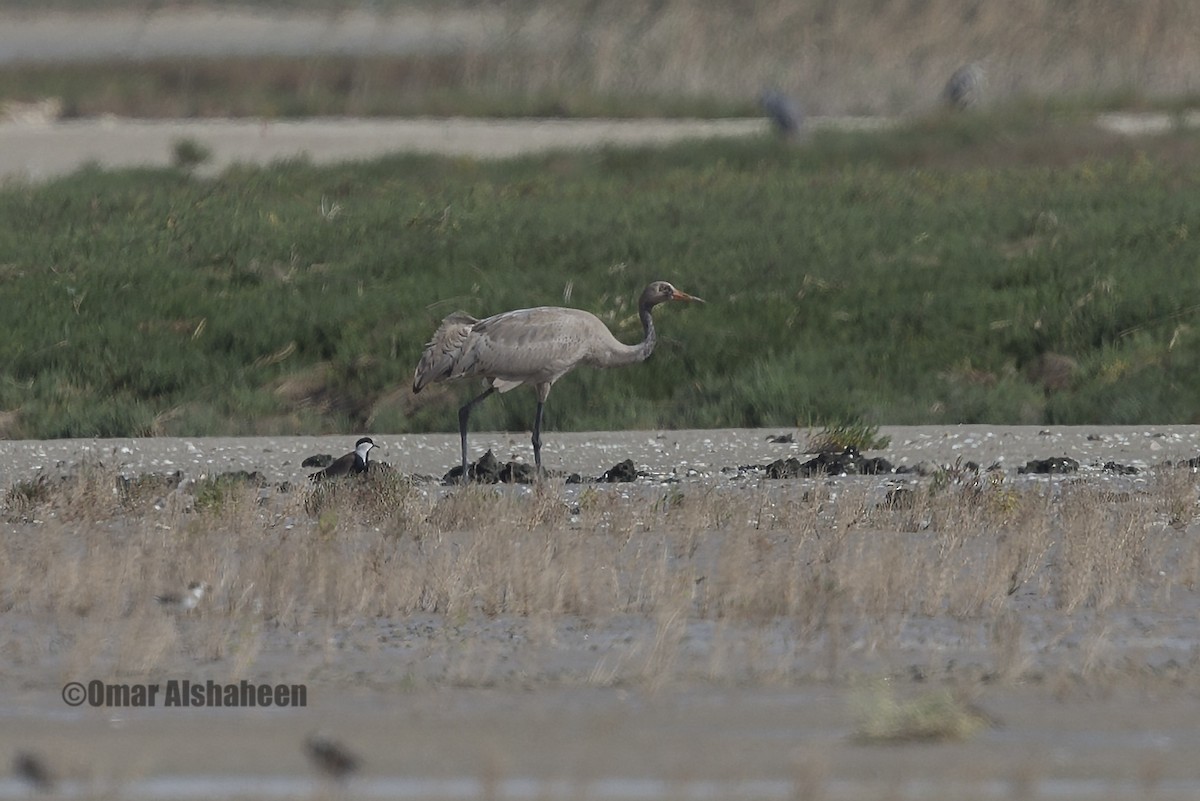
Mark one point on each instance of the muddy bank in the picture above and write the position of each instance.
(38, 152)
(659, 455)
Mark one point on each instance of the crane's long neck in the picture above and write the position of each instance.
(620, 354)
(651, 338)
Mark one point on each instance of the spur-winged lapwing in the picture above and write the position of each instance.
(350, 464)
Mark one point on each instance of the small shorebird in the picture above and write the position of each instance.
(330, 758)
(32, 770)
(184, 601)
(350, 464)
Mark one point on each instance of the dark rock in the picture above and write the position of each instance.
(1120, 469)
(484, 471)
(876, 465)
(517, 473)
(832, 464)
(1054, 464)
(488, 470)
(620, 472)
(848, 462)
(318, 460)
(783, 468)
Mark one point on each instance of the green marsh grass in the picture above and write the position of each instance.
(911, 276)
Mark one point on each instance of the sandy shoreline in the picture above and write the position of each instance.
(38, 152)
(682, 454)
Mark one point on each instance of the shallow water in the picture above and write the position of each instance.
(187, 788)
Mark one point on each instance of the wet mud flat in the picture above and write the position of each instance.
(677, 743)
(1094, 704)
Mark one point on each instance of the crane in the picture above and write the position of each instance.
(531, 346)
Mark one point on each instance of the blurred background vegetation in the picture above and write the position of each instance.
(606, 57)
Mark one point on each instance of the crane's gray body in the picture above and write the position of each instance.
(527, 346)
(530, 346)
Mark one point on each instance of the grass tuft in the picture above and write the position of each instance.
(933, 717)
(28, 493)
(836, 437)
(188, 154)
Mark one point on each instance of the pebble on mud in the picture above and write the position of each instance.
(847, 463)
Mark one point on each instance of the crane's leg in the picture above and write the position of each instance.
(463, 415)
(537, 436)
(543, 392)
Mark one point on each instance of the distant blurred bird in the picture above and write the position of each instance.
(350, 464)
(184, 601)
(330, 758)
(964, 90)
(30, 768)
(784, 112)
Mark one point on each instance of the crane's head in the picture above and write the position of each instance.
(661, 292)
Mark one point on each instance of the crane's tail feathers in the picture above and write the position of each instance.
(442, 352)
(504, 386)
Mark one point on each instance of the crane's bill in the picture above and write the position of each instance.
(677, 295)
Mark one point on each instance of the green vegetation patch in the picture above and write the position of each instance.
(993, 270)
(939, 716)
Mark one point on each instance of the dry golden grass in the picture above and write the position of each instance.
(850, 57)
(771, 571)
(652, 58)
